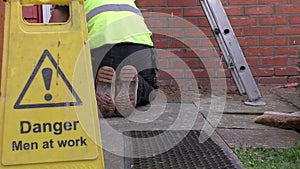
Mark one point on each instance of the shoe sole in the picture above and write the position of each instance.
(126, 99)
(105, 92)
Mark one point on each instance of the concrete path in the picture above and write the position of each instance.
(227, 118)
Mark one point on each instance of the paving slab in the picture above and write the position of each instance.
(279, 138)
(289, 95)
(240, 130)
(232, 121)
(273, 103)
(159, 117)
(231, 105)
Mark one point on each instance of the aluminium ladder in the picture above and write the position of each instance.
(231, 50)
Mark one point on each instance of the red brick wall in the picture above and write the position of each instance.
(267, 30)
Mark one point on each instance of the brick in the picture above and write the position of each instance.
(219, 83)
(252, 62)
(295, 40)
(165, 54)
(248, 41)
(170, 73)
(212, 62)
(174, 53)
(176, 73)
(294, 1)
(207, 31)
(233, 11)
(194, 11)
(198, 74)
(258, 31)
(193, 63)
(203, 22)
(238, 31)
(285, 50)
(192, 21)
(179, 52)
(200, 53)
(282, 61)
(288, 9)
(174, 43)
(242, 2)
(243, 21)
(211, 42)
(183, 43)
(186, 63)
(261, 51)
(156, 23)
(194, 32)
(221, 73)
(161, 43)
(167, 32)
(273, 81)
(181, 23)
(274, 41)
(181, 3)
(273, 20)
(295, 19)
(147, 3)
(286, 71)
(259, 10)
(269, 2)
(262, 72)
(294, 60)
(163, 12)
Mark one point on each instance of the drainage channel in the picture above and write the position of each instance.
(177, 149)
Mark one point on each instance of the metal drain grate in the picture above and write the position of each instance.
(187, 153)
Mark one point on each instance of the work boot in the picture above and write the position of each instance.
(105, 91)
(126, 98)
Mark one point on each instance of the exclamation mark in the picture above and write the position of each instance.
(47, 75)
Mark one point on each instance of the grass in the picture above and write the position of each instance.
(269, 158)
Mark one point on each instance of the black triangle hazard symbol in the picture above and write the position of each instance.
(45, 54)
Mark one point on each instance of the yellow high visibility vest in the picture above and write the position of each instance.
(115, 21)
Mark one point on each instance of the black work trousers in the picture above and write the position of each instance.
(142, 57)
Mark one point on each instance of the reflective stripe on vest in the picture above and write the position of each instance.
(112, 7)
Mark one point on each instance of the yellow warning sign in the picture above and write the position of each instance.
(42, 77)
(48, 111)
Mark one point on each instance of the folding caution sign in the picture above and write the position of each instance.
(48, 111)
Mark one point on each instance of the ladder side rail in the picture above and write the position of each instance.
(227, 35)
(223, 48)
(235, 50)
